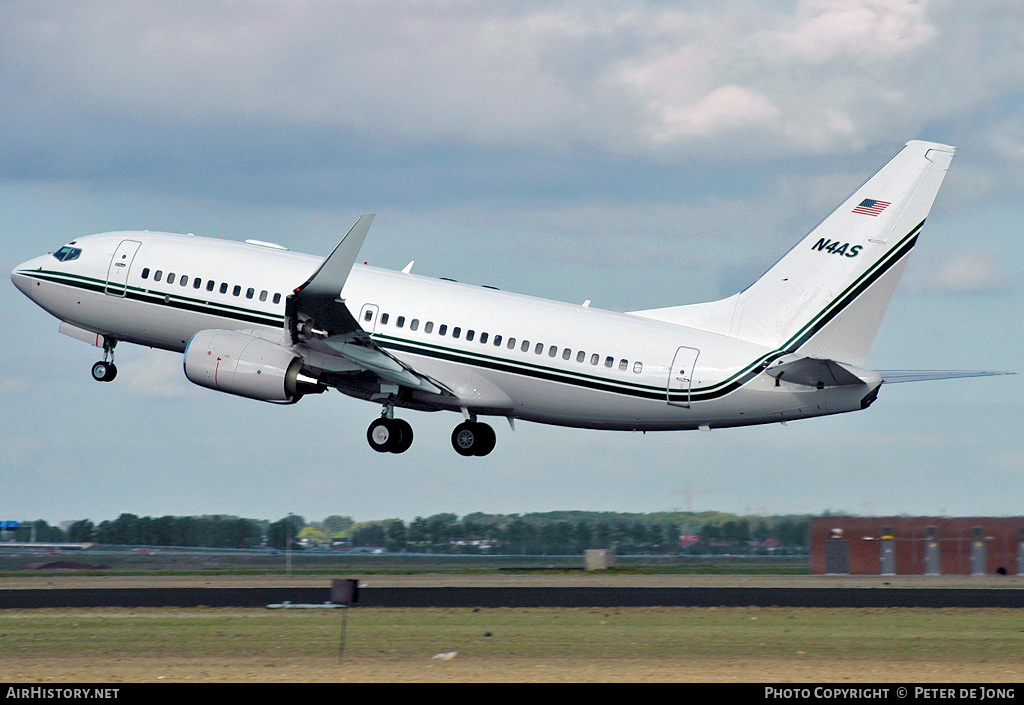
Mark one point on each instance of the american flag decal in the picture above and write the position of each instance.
(870, 207)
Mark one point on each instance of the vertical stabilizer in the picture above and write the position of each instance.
(826, 297)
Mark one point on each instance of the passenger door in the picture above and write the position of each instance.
(120, 264)
(680, 376)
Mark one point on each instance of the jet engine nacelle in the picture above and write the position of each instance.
(239, 363)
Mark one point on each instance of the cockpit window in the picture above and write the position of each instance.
(66, 253)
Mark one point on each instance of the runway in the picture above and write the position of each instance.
(519, 597)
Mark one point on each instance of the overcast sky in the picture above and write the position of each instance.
(638, 154)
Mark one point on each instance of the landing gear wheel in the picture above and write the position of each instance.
(472, 438)
(389, 435)
(381, 435)
(104, 371)
(487, 439)
(405, 431)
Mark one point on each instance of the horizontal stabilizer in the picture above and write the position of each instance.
(894, 376)
(821, 373)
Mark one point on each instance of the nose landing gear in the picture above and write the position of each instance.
(105, 370)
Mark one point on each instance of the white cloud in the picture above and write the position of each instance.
(723, 109)
(822, 77)
(973, 271)
(154, 374)
(822, 30)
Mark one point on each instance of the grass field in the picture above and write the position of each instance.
(657, 644)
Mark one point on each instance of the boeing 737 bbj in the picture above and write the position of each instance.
(257, 320)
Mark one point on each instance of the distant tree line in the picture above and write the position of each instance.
(551, 533)
(131, 530)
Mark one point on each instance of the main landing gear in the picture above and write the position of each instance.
(105, 370)
(473, 438)
(390, 435)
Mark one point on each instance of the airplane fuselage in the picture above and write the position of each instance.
(501, 353)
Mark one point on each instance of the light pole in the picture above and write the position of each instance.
(288, 545)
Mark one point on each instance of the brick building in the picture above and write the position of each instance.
(917, 545)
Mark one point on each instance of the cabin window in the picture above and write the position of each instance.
(538, 348)
(368, 316)
(442, 329)
(414, 324)
(158, 275)
(470, 335)
(223, 287)
(566, 354)
(511, 343)
(250, 292)
(400, 321)
(170, 278)
(552, 351)
(263, 295)
(594, 359)
(237, 291)
(638, 367)
(483, 338)
(623, 365)
(384, 319)
(277, 298)
(581, 356)
(183, 281)
(497, 341)
(525, 347)
(197, 282)
(428, 327)
(145, 273)
(609, 361)
(456, 332)
(210, 285)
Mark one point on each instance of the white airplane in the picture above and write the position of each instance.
(257, 320)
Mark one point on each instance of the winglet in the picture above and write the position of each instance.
(330, 277)
(319, 296)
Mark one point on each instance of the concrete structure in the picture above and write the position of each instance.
(917, 545)
(599, 558)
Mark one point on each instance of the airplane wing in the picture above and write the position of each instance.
(316, 316)
(894, 376)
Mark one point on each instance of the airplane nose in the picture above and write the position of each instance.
(21, 278)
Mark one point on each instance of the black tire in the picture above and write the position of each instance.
(465, 439)
(104, 371)
(404, 436)
(382, 436)
(470, 438)
(486, 441)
